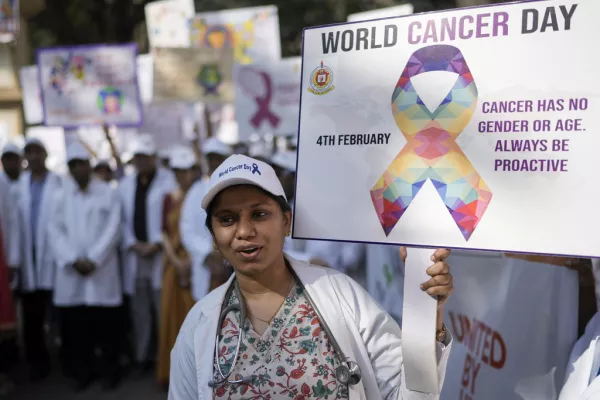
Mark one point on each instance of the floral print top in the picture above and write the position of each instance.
(292, 359)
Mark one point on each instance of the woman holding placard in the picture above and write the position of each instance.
(281, 327)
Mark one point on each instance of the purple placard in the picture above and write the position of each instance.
(90, 85)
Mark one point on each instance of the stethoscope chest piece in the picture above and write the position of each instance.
(348, 373)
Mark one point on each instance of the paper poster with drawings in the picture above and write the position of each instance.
(145, 73)
(53, 138)
(252, 32)
(89, 85)
(267, 97)
(32, 96)
(193, 75)
(395, 11)
(168, 22)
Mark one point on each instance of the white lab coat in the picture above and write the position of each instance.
(364, 332)
(10, 222)
(86, 225)
(41, 275)
(162, 184)
(196, 238)
(581, 380)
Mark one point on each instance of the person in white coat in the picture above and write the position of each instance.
(194, 235)
(11, 224)
(85, 228)
(37, 187)
(142, 196)
(582, 379)
(10, 219)
(11, 158)
(281, 327)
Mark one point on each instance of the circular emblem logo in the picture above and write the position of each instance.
(210, 78)
(321, 80)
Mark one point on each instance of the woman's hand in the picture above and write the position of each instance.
(441, 283)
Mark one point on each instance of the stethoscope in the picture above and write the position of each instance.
(348, 373)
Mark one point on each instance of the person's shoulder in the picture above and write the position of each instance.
(321, 275)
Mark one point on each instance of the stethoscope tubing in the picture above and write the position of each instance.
(241, 307)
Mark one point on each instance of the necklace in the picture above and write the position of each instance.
(271, 319)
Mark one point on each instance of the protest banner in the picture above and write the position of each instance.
(267, 97)
(253, 33)
(395, 11)
(9, 20)
(193, 75)
(419, 127)
(496, 355)
(89, 85)
(32, 96)
(165, 122)
(167, 22)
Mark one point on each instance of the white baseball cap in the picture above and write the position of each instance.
(242, 170)
(76, 151)
(12, 148)
(182, 157)
(33, 141)
(214, 145)
(285, 160)
(143, 144)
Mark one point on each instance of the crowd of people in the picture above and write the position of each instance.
(108, 259)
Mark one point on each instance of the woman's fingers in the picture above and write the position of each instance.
(403, 253)
(440, 255)
(439, 268)
(441, 292)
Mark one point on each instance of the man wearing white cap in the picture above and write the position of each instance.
(10, 217)
(37, 186)
(85, 229)
(142, 196)
(11, 158)
(194, 235)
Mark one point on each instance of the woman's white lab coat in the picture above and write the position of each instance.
(86, 225)
(162, 184)
(41, 275)
(365, 333)
(196, 238)
(581, 381)
(10, 223)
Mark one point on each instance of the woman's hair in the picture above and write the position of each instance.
(280, 200)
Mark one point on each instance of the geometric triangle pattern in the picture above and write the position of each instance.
(431, 151)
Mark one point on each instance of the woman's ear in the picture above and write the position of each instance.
(287, 222)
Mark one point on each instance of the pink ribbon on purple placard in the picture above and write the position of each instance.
(263, 103)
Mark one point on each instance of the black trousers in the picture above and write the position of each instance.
(35, 309)
(87, 329)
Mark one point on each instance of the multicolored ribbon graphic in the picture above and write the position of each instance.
(263, 103)
(431, 151)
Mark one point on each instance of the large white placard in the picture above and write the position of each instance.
(453, 129)
(90, 85)
(497, 314)
(252, 32)
(32, 97)
(168, 22)
(267, 97)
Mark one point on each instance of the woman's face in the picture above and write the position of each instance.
(249, 229)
